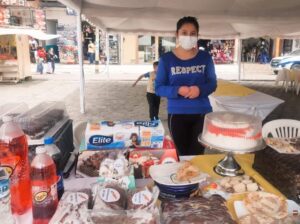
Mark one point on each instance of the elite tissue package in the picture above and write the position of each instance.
(124, 134)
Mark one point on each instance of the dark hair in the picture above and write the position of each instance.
(187, 19)
(155, 63)
(134, 134)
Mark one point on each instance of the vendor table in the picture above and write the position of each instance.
(237, 98)
(205, 163)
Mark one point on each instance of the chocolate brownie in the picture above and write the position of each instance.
(198, 210)
(110, 197)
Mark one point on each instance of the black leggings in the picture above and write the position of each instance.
(185, 129)
(153, 101)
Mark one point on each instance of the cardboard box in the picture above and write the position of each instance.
(124, 134)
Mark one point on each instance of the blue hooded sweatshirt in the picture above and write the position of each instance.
(173, 73)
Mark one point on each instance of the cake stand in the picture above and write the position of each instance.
(228, 166)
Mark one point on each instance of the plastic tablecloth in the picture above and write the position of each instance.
(237, 98)
(206, 163)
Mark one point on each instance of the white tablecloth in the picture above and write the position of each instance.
(258, 104)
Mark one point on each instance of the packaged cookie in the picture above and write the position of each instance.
(123, 217)
(142, 217)
(114, 217)
(114, 166)
(72, 208)
(109, 197)
(143, 198)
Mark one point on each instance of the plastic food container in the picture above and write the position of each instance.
(232, 131)
(12, 109)
(37, 121)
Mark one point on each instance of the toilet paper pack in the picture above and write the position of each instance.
(124, 134)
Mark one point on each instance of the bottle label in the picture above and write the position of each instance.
(142, 198)
(8, 169)
(109, 195)
(4, 188)
(44, 194)
(60, 182)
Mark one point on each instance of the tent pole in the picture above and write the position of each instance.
(97, 50)
(107, 53)
(80, 60)
(239, 59)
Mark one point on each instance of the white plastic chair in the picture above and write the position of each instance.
(79, 131)
(297, 80)
(284, 76)
(282, 128)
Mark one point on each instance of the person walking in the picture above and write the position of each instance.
(91, 52)
(186, 76)
(51, 61)
(253, 55)
(41, 58)
(152, 98)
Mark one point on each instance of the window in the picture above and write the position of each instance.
(146, 49)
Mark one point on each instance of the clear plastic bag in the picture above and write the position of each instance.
(73, 209)
(109, 197)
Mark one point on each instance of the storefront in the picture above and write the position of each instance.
(144, 49)
(114, 49)
(222, 51)
(62, 22)
(17, 17)
(289, 45)
(257, 50)
(67, 43)
(166, 44)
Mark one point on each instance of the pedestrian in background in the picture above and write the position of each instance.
(41, 58)
(91, 52)
(152, 98)
(51, 61)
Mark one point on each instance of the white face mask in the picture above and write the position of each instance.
(187, 42)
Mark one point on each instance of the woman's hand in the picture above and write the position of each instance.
(194, 92)
(184, 91)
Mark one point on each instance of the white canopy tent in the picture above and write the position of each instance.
(37, 34)
(219, 19)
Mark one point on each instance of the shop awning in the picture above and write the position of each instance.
(37, 34)
(218, 19)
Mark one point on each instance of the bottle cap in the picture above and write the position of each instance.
(7, 118)
(48, 140)
(40, 150)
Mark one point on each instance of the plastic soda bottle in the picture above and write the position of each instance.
(5, 207)
(44, 188)
(54, 152)
(14, 158)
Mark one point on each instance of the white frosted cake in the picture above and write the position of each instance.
(232, 131)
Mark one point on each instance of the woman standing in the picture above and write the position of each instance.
(186, 77)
